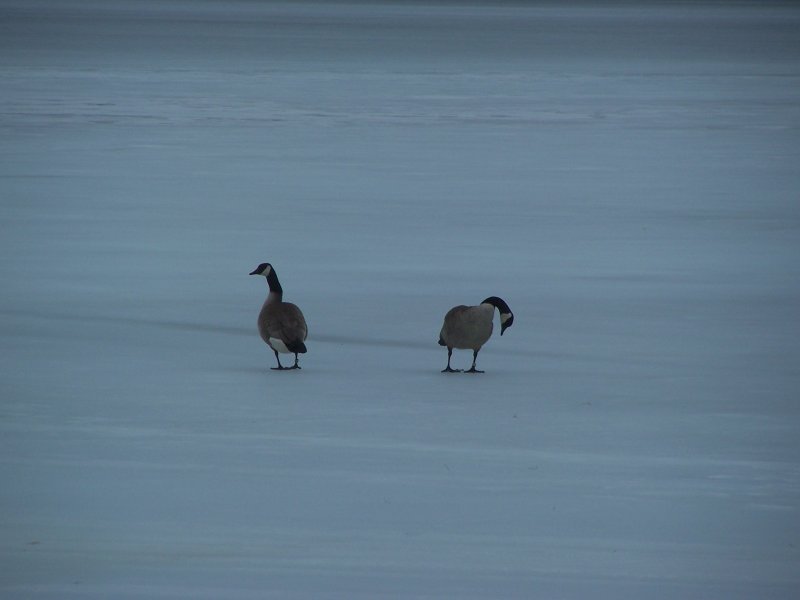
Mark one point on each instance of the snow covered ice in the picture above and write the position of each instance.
(625, 176)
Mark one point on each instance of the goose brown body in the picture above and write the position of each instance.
(467, 327)
(283, 327)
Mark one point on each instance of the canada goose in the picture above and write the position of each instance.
(468, 327)
(281, 324)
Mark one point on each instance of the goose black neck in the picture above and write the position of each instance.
(274, 284)
(498, 303)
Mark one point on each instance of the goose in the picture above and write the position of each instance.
(469, 327)
(280, 324)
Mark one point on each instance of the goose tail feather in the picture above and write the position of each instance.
(298, 347)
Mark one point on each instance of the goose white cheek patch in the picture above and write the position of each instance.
(505, 317)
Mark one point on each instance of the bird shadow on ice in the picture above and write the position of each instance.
(193, 326)
(415, 344)
(367, 341)
(163, 323)
(220, 328)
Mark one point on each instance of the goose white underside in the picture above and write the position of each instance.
(279, 346)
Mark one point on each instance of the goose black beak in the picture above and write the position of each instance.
(506, 325)
(254, 272)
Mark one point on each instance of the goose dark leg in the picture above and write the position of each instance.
(296, 366)
(280, 367)
(474, 358)
(447, 369)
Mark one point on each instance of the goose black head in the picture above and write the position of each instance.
(262, 269)
(506, 316)
(506, 321)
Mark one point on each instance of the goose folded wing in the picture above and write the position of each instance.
(289, 326)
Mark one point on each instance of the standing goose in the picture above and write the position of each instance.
(468, 328)
(281, 324)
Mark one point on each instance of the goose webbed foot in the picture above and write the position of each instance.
(280, 368)
(474, 370)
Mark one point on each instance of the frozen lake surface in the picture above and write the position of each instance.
(625, 176)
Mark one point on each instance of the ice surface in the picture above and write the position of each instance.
(625, 176)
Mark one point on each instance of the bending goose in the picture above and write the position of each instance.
(469, 327)
(281, 324)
